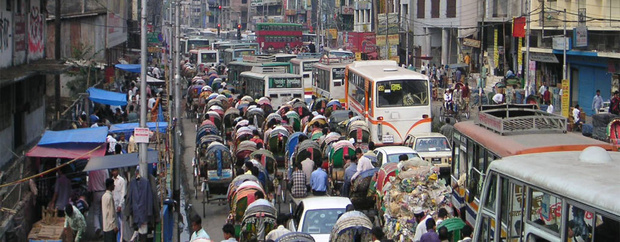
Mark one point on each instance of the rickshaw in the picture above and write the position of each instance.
(224, 99)
(276, 143)
(244, 133)
(265, 104)
(332, 105)
(319, 105)
(352, 226)
(301, 108)
(258, 220)
(229, 119)
(266, 159)
(244, 149)
(256, 116)
(271, 120)
(293, 119)
(285, 108)
(218, 168)
(462, 107)
(241, 198)
(360, 132)
(295, 237)
(206, 129)
(215, 118)
(217, 109)
(308, 149)
(235, 183)
(310, 129)
(359, 190)
(338, 154)
(292, 143)
(193, 95)
(327, 141)
(199, 161)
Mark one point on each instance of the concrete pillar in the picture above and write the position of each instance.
(444, 46)
(426, 48)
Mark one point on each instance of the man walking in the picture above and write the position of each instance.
(96, 185)
(597, 102)
(110, 223)
(119, 192)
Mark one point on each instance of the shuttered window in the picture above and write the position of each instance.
(451, 9)
(421, 8)
(434, 8)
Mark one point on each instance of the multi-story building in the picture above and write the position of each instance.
(592, 57)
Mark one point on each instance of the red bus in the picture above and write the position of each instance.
(275, 36)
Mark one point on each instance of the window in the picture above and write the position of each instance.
(545, 210)
(322, 79)
(208, 57)
(451, 9)
(402, 93)
(356, 89)
(435, 8)
(421, 8)
(579, 225)
(337, 73)
(5, 107)
(321, 221)
(432, 144)
(255, 87)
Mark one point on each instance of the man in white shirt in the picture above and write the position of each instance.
(156, 72)
(120, 189)
(307, 166)
(542, 89)
(198, 231)
(550, 108)
(110, 221)
(498, 98)
(421, 218)
(577, 115)
(447, 98)
(111, 143)
(151, 102)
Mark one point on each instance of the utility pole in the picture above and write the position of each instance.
(527, 48)
(387, 26)
(143, 146)
(564, 74)
(177, 111)
(407, 48)
(57, 49)
(482, 37)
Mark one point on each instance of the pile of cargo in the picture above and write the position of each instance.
(415, 186)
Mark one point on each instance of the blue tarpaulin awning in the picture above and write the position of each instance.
(127, 128)
(135, 68)
(85, 135)
(107, 97)
(117, 161)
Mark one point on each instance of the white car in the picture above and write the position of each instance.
(317, 215)
(389, 154)
(432, 147)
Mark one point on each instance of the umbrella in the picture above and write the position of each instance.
(452, 224)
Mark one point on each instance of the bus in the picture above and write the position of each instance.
(230, 54)
(272, 82)
(223, 45)
(394, 101)
(194, 43)
(552, 196)
(302, 65)
(328, 78)
(308, 38)
(277, 36)
(235, 68)
(502, 131)
(204, 57)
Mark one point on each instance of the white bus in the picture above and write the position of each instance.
(328, 78)
(553, 196)
(302, 65)
(394, 101)
(230, 54)
(204, 57)
(272, 82)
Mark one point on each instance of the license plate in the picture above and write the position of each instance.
(388, 138)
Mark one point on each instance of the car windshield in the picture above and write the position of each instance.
(321, 221)
(394, 157)
(433, 144)
(402, 93)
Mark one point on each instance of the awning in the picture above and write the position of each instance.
(135, 68)
(84, 135)
(127, 128)
(117, 161)
(68, 151)
(544, 57)
(153, 80)
(107, 97)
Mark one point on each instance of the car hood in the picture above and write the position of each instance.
(435, 154)
(320, 237)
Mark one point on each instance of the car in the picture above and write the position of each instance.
(389, 154)
(342, 53)
(317, 215)
(432, 147)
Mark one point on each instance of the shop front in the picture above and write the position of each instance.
(588, 73)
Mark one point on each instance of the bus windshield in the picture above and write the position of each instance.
(284, 82)
(399, 93)
(208, 57)
(434, 144)
(337, 73)
(241, 53)
(197, 43)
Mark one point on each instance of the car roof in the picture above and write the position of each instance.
(396, 149)
(325, 202)
(429, 134)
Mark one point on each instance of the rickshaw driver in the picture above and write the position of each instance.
(448, 102)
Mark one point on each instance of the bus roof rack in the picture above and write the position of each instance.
(335, 60)
(259, 58)
(519, 118)
(269, 69)
(309, 55)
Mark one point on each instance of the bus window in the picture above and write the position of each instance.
(402, 93)
(208, 57)
(512, 205)
(579, 224)
(486, 232)
(491, 195)
(607, 229)
(545, 210)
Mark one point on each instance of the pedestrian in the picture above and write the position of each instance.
(96, 185)
(298, 182)
(466, 232)
(550, 108)
(229, 233)
(111, 144)
(198, 231)
(348, 174)
(307, 166)
(132, 116)
(119, 192)
(280, 230)
(62, 193)
(318, 181)
(442, 214)
(420, 218)
(614, 104)
(430, 235)
(377, 234)
(577, 115)
(75, 223)
(364, 164)
(597, 102)
(110, 221)
(312, 47)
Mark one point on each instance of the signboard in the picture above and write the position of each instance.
(496, 49)
(471, 43)
(580, 36)
(543, 57)
(141, 135)
(152, 38)
(565, 97)
(347, 10)
(392, 40)
(520, 54)
(559, 43)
